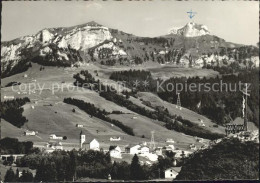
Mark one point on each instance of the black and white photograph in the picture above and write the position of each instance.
(129, 91)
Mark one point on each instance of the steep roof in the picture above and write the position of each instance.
(176, 169)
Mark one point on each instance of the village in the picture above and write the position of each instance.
(148, 152)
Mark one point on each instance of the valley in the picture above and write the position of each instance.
(83, 102)
(48, 114)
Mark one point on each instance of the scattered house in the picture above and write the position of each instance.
(134, 117)
(152, 157)
(200, 120)
(148, 163)
(143, 150)
(8, 97)
(52, 146)
(201, 140)
(172, 172)
(115, 151)
(137, 149)
(202, 124)
(132, 149)
(93, 145)
(193, 147)
(114, 40)
(115, 138)
(29, 133)
(32, 107)
(181, 153)
(168, 148)
(162, 52)
(158, 151)
(79, 126)
(170, 140)
(25, 76)
(54, 137)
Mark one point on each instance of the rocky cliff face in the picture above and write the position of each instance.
(53, 45)
(191, 45)
(191, 30)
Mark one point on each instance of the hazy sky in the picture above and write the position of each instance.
(235, 21)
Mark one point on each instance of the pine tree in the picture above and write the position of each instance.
(10, 176)
(27, 176)
(136, 171)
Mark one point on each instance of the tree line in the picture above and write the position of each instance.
(74, 165)
(12, 111)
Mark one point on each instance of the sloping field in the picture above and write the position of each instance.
(143, 126)
(185, 113)
(48, 114)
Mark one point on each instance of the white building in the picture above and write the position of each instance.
(162, 52)
(132, 149)
(152, 157)
(144, 150)
(52, 146)
(170, 140)
(8, 97)
(168, 148)
(94, 145)
(115, 138)
(115, 152)
(158, 151)
(79, 126)
(54, 137)
(29, 133)
(172, 172)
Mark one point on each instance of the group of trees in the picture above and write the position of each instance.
(73, 165)
(96, 112)
(10, 176)
(12, 83)
(21, 66)
(230, 159)
(13, 146)
(161, 114)
(189, 128)
(12, 111)
(219, 105)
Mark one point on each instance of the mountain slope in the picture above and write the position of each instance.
(191, 30)
(230, 159)
(92, 42)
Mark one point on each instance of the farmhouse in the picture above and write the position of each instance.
(8, 97)
(115, 138)
(115, 151)
(170, 140)
(144, 150)
(168, 148)
(172, 172)
(91, 144)
(52, 146)
(158, 151)
(29, 133)
(132, 149)
(54, 137)
(79, 126)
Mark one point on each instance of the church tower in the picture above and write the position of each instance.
(82, 139)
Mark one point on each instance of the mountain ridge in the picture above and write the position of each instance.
(91, 42)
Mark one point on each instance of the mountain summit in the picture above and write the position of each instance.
(191, 29)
